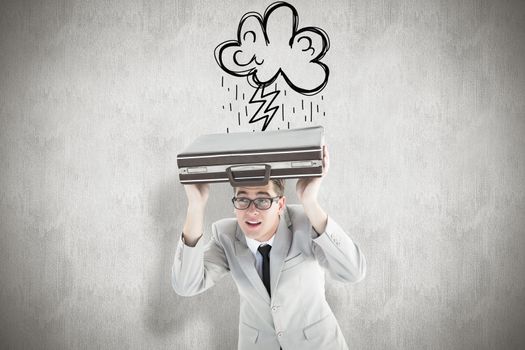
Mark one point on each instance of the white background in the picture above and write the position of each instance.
(425, 120)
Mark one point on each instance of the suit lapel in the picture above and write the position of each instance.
(247, 262)
(280, 248)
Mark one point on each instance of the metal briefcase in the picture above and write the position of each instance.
(252, 158)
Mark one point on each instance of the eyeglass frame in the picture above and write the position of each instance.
(253, 201)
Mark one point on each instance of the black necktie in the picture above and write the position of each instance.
(265, 252)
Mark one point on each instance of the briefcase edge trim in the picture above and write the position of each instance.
(225, 179)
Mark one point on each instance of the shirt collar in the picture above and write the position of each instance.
(254, 244)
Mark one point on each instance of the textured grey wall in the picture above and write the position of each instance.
(425, 118)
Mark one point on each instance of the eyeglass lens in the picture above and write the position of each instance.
(260, 203)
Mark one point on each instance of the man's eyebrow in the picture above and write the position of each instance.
(244, 192)
(266, 193)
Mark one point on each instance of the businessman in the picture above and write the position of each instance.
(277, 256)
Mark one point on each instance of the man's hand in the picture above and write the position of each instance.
(197, 195)
(307, 190)
(197, 198)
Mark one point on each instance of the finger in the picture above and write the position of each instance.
(326, 160)
(204, 190)
(188, 188)
(204, 187)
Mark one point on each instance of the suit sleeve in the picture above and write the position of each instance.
(337, 253)
(197, 268)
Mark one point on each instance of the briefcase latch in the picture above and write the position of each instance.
(195, 170)
(306, 163)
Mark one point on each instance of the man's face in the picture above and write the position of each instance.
(256, 223)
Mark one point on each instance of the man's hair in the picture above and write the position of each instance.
(278, 186)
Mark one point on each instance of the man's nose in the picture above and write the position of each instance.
(252, 207)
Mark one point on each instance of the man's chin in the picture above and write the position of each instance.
(252, 232)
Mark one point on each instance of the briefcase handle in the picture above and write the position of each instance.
(237, 182)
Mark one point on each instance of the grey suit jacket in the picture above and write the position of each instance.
(297, 315)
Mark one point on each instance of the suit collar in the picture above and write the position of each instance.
(247, 263)
(254, 244)
(281, 244)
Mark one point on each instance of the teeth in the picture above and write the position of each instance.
(253, 222)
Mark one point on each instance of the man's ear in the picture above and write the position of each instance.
(282, 204)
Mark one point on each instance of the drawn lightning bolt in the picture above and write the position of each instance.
(268, 112)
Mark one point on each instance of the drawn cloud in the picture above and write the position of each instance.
(272, 45)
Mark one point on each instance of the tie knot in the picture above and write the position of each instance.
(264, 250)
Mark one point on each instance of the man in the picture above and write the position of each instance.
(277, 255)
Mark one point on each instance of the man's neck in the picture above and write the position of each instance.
(253, 244)
(263, 240)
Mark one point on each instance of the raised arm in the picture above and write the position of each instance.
(307, 190)
(197, 266)
(197, 198)
(333, 248)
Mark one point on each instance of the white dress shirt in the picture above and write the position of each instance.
(254, 246)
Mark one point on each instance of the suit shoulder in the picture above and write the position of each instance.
(225, 227)
(295, 213)
(298, 221)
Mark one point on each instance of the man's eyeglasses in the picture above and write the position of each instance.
(243, 203)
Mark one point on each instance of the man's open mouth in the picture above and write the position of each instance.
(253, 223)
